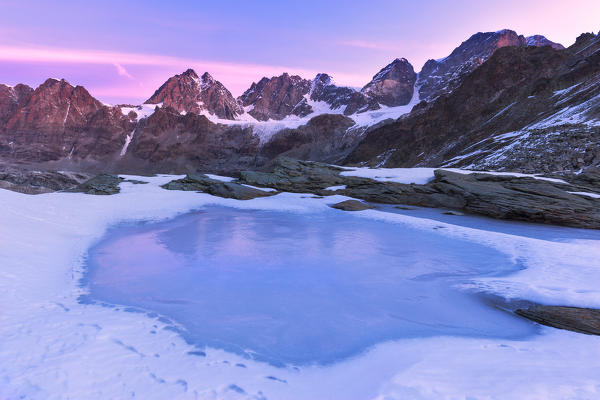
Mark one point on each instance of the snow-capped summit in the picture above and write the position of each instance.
(540, 40)
(351, 100)
(187, 92)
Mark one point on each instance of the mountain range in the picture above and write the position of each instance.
(498, 101)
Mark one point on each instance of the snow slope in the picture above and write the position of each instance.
(53, 347)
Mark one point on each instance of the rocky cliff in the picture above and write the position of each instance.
(393, 85)
(442, 76)
(525, 108)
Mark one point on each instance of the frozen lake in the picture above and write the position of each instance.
(298, 289)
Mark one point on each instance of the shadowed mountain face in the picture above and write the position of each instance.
(393, 85)
(525, 108)
(443, 76)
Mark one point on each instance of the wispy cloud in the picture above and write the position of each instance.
(365, 44)
(221, 70)
(122, 71)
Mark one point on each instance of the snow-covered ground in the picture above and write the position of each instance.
(53, 347)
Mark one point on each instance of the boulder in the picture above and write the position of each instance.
(582, 320)
(352, 205)
(104, 184)
(229, 190)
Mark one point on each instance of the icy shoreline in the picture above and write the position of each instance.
(51, 346)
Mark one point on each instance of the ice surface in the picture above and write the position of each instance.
(53, 347)
(299, 289)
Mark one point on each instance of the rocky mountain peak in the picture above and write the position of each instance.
(540, 40)
(55, 105)
(11, 98)
(393, 85)
(191, 73)
(352, 101)
(187, 93)
(277, 97)
(207, 78)
(444, 75)
(322, 79)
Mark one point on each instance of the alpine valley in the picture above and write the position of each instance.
(433, 234)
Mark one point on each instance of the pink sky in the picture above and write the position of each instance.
(123, 55)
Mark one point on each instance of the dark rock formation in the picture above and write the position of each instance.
(104, 184)
(443, 76)
(229, 190)
(530, 109)
(323, 138)
(277, 97)
(352, 205)
(582, 320)
(497, 196)
(35, 182)
(187, 92)
(169, 142)
(393, 85)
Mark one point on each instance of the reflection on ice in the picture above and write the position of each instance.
(295, 288)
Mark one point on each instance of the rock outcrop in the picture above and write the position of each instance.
(352, 205)
(576, 319)
(103, 184)
(228, 190)
(497, 196)
(393, 85)
(187, 92)
(31, 181)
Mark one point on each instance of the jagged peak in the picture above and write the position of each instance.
(323, 79)
(505, 31)
(385, 70)
(54, 81)
(190, 72)
(207, 78)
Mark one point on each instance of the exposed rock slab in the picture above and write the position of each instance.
(36, 182)
(229, 190)
(497, 196)
(582, 320)
(104, 184)
(352, 205)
